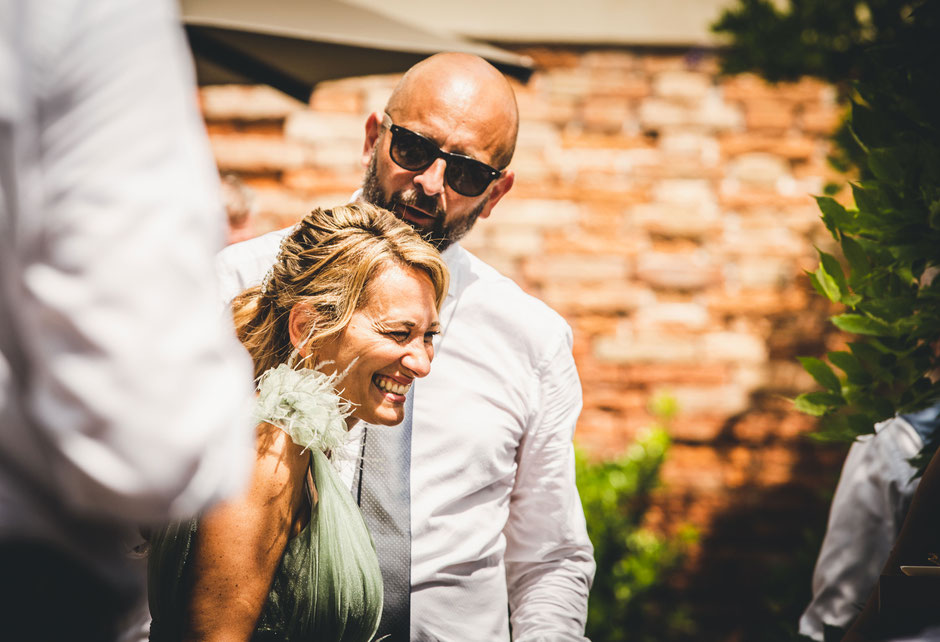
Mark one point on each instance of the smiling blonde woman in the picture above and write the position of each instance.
(339, 330)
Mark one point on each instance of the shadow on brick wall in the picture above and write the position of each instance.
(753, 573)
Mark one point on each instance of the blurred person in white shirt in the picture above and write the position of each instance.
(123, 391)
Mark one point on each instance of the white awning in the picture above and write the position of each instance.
(294, 44)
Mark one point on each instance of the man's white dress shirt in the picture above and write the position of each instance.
(871, 500)
(122, 390)
(496, 518)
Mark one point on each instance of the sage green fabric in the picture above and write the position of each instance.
(328, 586)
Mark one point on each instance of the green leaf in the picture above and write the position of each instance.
(818, 403)
(821, 372)
(828, 285)
(878, 408)
(851, 366)
(865, 126)
(934, 218)
(834, 430)
(844, 428)
(859, 324)
(864, 200)
(906, 274)
(860, 423)
(834, 215)
(834, 270)
(856, 256)
(885, 165)
(816, 284)
(866, 352)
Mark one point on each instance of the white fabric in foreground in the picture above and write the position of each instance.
(123, 393)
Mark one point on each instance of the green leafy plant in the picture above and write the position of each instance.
(821, 38)
(890, 238)
(632, 562)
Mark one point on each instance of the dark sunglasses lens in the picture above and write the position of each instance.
(410, 151)
(415, 153)
(467, 177)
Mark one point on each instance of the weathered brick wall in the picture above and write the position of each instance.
(665, 212)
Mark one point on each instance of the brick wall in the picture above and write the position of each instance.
(665, 212)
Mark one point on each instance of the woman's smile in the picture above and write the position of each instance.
(386, 345)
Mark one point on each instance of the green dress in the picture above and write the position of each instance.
(327, 587)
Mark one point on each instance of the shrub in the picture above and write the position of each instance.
(633, 563)
(890, 237)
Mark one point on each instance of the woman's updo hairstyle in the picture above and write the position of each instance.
(326, 263)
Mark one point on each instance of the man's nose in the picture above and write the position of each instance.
(431, 180)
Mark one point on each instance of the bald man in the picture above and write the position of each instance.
(497, 530)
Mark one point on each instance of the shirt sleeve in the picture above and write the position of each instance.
(868, 509)
(246, 264)
(137, 386)
(549, 558)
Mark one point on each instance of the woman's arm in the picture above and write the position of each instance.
(239, 544)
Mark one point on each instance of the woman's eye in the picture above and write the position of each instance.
(398, 335)
(429, 336)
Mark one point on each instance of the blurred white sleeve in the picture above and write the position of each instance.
(132, 390)
(874, 492)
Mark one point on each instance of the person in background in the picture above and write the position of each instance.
(473, 503)
(868, 509)
(123, 393)
(239, 206)
(893, 616)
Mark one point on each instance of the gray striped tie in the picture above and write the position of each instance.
(384, 487)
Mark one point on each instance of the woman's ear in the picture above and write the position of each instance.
(299, 324)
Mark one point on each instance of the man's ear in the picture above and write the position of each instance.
(373, 129)
(299, 324)
(500, 186)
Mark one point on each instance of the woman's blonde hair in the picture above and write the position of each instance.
(326, 263)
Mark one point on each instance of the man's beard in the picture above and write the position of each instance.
(441, 233)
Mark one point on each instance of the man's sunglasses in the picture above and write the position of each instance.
(414, 152)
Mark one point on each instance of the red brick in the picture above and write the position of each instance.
(613, 399)
(755, 199)
(614, 84)
(657, 374)
(757, 302)
(791, 147)
(593, 241)
(748, 87)
(600, 298)
(821, 119)
(604, 114)
(273, 128)
(609, 59)
(696, 428)
(768, 114)
(761, 427)
(311, 181)
(656, 63)
(337, 98)
(775, 465)
(588, 140)
(693, 467)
